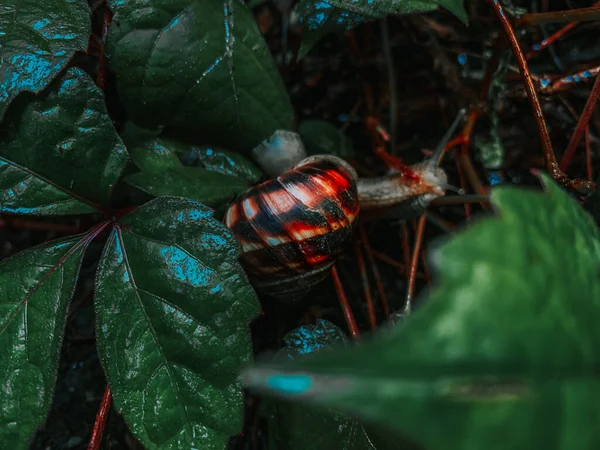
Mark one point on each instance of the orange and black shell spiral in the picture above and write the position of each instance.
(297, 222)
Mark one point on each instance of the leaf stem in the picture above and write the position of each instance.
(413, 265)
(574, 15)
(369, 251)
(101, 416)
(365, 283)
(582, 123)
(550, 159)
(350, 321)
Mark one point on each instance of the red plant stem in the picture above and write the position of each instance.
(101, 416)
(440, 222)
(551, 39)
(582, 124)
(405, 250)
(572, 15)
(547, 86)
(101, 76)
(529, 86)
(414, 262)
(375, 270)
(588, 153)
(365, 283)
(554, 37)
(549, 157)
(350, 321)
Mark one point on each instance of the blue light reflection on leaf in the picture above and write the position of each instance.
(38, 41)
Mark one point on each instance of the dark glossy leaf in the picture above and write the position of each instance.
(329, 16)
(298, 427)
(321, 137)
(230, 163)
(25, 192)
(219, 160)
(504, 352)
(173, 307)
(36, 286)
(456, 7)
(200, 67)
(134, 135)
(211, 188)
(37, 39)
(155, 155)
(58, 148)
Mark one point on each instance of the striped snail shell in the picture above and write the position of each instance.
(292, 227)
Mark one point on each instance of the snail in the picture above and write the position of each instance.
(291, 228)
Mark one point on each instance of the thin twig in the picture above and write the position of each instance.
(101, 416)
(572, 15)
(350, 320)
(582, 123)
(375, 270)
(550, 159)
(414, 263)
(365, 283)
(391, 73)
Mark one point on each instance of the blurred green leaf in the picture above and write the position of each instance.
(173, 307)
(59, 150)
(38, 40)
(211, 188)
(504, 352)
(298, 427)
(36, 287)
(198, 67)
(321, 137)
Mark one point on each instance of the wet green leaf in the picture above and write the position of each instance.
(211, 188)
(37, 39)
(198, 67)
(229, 163)
(298, 427)
(504, 352)
(321, 137)
(36, 287)
(155, 155)
(173, 307)
(330, 16)
(59, 150)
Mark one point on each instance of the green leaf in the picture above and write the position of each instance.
(155, 155)
(321, 137)
(25, 192)
(36, 287)
(297, 427)
(504, 352)
(456, 7)
(173, 307)
(211, 188)
(331, 16)
(59, 150)
(199, 67)
(37, 41)
(229, 163)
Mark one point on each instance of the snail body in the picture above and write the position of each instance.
(394, 196)
(292, 227)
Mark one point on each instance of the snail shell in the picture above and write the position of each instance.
(292, 227)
